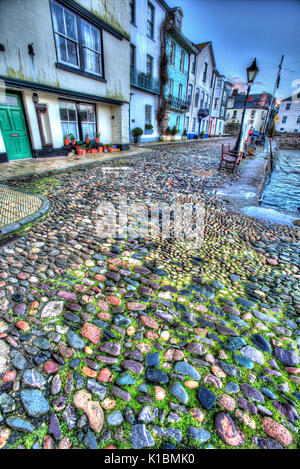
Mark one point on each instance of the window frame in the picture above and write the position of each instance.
(149, 59)
(132, 8)
(149, 108)
(81, 67)
(298, 120)
(180, 90)
(172, 54)
(197, 97)
(132, 49)
(171, 88)
(152, 23)
(284, 119)
(205, 72)
(182, 60)
(79, 120)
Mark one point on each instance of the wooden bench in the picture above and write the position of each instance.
(229, 157)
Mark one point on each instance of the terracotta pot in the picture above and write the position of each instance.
(110, 149)
(73, 142)
(66, 142)
(87, 141)
(94, 150)
(100, 149)
(97, 140)
(79, 152)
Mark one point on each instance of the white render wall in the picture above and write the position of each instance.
(145, 46)
(138, 101)
(197, 82)
(292, 114)
(258, 120)
(36, 28)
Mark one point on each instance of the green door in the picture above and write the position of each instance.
(13, 128)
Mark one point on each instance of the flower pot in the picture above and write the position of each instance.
(136, 138)
(73, 142)
(66, 142)
(184, 137)
(87, 141)
(97, 140)
(100, 149)
(94, 150)
(110, 149)
(79, 152)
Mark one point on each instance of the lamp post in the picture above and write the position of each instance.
(252, 71)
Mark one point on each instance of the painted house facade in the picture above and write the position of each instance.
(289, 115)
(64, 71)
(256, 110)
(221, 94)
(200, 89)
(146, 18)
(178, 50)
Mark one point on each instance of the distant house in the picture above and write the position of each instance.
(146, 18)
(221, 94)
(64, 67)
(200, 89)
(289, 115)
(178, 50)
(256, 109)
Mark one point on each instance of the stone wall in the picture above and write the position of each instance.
(289, 140)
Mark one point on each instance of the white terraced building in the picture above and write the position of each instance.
(289, 115)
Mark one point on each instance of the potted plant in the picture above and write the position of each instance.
(174, 132)
(73, 139)
(100, 149)
(110, 148)
(168, 134)
(149, 129)
(202, 134)
(87, 139)
(184, 135)
(97, 137)
(66, 140)
(137, 132)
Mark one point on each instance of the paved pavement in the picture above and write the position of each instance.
(27, 166)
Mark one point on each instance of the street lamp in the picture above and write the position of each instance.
(252, 71)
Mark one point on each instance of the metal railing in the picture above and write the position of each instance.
(178, 103)
(144, 81)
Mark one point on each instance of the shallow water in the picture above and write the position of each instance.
(283, 191)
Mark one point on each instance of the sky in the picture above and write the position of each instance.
(243, 29)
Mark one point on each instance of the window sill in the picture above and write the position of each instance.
(77, 71)
(149, 37)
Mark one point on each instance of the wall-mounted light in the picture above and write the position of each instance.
(2, 47)
(30, 49)
(112, 117)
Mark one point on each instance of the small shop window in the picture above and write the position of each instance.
(78, 119)
(68, 118)
(87, 119)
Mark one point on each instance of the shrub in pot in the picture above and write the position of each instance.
(184, 135)
(73, 139)
(97, 137)
(168, 133)
(174, 132)
(87, 139)
(137, 132)
(66, 140)
(202, 134)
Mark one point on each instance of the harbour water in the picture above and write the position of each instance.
(283, 191)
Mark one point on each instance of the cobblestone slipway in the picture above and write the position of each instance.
(139, 342)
